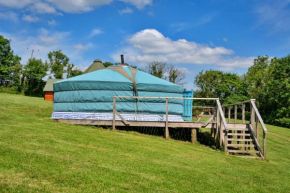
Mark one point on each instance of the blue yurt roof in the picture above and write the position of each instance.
(110, 78)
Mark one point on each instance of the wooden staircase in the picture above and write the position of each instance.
(243, 142)
(241, 139)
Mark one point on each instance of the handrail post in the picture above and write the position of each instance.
(166, 122)
(253, 117)
(114, 114)
(264, 145)
(217, 123)
(243, 113)
(257, 127)
(229, 114)
(236, 113)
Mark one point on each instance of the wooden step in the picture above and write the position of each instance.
(242, 151)
(238, 129)
(240, 145)
(239, 134)
(236, 139)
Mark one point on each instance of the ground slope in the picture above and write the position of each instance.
(38, 154)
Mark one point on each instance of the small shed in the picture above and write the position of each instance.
(96, 65)
(48, 89)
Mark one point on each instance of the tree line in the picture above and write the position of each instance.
(267, 81)
(28, 78)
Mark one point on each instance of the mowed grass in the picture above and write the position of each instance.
(38, 154)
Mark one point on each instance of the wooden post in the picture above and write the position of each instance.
(221, 132)
(243, 113)
(264, 145)
(224, 111)
(217, 123)
(257, 128)
(193, 135)
(236, 113)
(166, 123)
(226, 141)
(114, 114)
(229, 114)
(253, 118)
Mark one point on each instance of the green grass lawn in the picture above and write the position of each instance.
(38, 154)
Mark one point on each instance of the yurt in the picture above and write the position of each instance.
(90, 96)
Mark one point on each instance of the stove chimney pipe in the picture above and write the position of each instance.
(122, 60)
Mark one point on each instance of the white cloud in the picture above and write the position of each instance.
(52, 22)
(83, 47)
(9, 16)
(125, 11)
(225, 39)
(140, 4)
(95, 32)
(16, 3)
(150, 45)
(69, 6)
(41, 7)
(78, 6)
(30, 18)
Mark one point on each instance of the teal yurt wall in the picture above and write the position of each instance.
(93, 92)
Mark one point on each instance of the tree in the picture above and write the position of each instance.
(34, 71)
(72, 72)
(228, 87)
(176, 75)
(155, 68)
(57, 63)
(276, 99)
(257, 78)
(8, 62)
(107, 64)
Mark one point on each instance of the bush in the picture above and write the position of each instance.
(285, 122)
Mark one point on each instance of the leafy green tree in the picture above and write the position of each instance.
(216, 84)
(57, 63)
(8, 62)
(257, 78)
(34, 71)
(72, 71)
(107, 64)
(276, 102)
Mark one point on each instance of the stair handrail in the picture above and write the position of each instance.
(258, 115)
(223, 120)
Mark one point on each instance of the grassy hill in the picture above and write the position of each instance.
(38, 154)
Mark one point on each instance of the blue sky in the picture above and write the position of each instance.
(192, 35)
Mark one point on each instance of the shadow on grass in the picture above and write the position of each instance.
(182, 134)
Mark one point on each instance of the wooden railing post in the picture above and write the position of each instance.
(257, 128)
(218, 119)
(253, 119)
(243, 113)
(114, 114)
(229, 114)
(236, 113)
(166, 122)
(264, 145)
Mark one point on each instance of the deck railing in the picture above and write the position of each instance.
(254, 122)
(218, 117)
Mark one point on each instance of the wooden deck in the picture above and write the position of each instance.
(183, 124)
